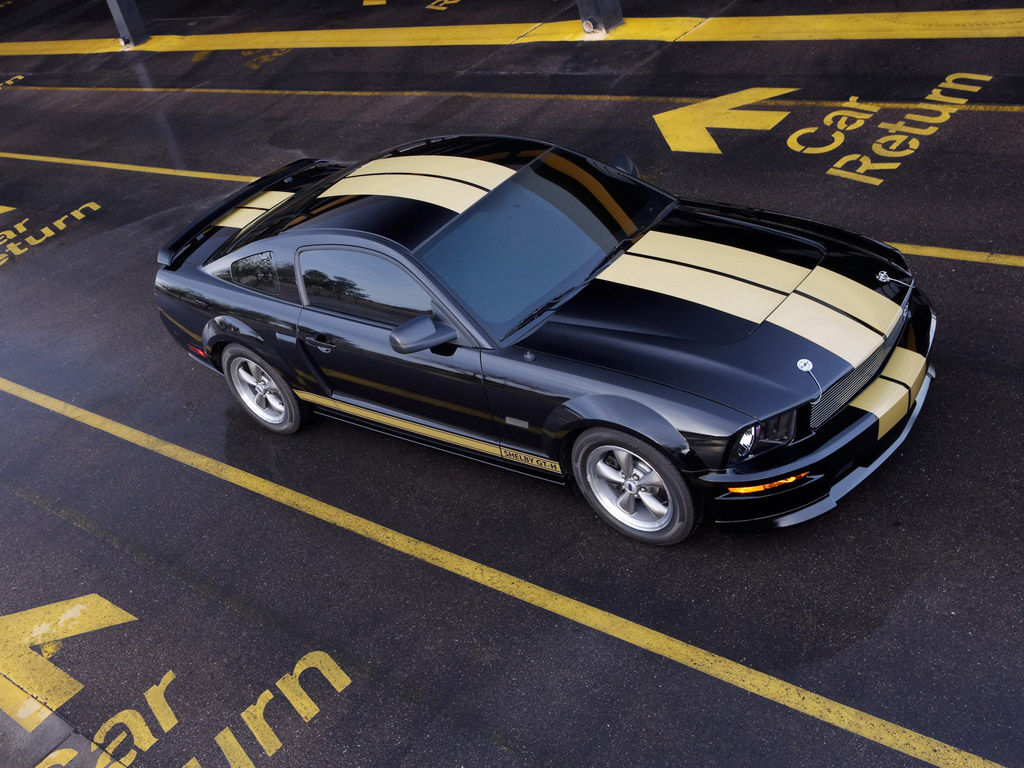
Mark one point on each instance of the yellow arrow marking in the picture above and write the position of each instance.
(686, 128)
(31, 687)
(5, 209)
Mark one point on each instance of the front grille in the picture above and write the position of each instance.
(844, 390)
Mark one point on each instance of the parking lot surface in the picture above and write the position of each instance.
(182, 589)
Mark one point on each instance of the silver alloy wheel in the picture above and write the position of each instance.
(628, 488)
(257, 390)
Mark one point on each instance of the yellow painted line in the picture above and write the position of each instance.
(915, 250)
(795, 103)
(31, 686)
(5, 209)
(124, 167)
(981, 257)
(1000, 23)
(799, 699)
(919, 25)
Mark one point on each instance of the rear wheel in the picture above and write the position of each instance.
(633, 486)
(258, 387)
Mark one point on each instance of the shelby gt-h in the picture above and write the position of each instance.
(510, 300)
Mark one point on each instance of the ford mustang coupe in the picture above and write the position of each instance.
(516, 302)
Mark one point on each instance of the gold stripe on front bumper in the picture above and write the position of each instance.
(888, 400)
(908, 368)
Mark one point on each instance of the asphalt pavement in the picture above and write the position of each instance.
(179, 588)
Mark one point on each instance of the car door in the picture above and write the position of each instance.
(353, 299)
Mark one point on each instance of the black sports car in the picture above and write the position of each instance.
(516, 302)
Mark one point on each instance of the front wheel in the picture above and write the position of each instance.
(633, 487)
(258, 387)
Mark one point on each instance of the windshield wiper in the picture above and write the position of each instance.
(546, 306)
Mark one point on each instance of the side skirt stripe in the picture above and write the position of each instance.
(480, 446)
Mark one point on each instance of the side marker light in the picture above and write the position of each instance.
(766, 486)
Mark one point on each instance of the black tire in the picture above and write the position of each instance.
(634, 487)
(262, 392)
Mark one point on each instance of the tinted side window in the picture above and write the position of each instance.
(257, 272)
(362, 284)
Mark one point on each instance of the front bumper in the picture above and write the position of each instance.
(833, 470)
(821, 470)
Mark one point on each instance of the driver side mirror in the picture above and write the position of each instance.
(422, 332)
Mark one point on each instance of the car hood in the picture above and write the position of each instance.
(722, 302)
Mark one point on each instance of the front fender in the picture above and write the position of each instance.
(622, 413)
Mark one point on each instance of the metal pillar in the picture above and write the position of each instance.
(130, 28)
(600, 15)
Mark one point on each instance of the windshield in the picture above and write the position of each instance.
(538, 236)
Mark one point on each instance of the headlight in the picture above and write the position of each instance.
(763, 435)
(748, 440)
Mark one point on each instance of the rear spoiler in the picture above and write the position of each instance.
(195, 230)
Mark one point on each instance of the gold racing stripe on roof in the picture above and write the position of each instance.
(738, 262)
(594, 186)
(252, 209)
(453, 195)
(466, 169)
(719, 292)
(851, 297)
(267, 200)
(827, 328)
(240, 217)
(886, 399)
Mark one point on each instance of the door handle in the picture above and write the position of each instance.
(320, 341)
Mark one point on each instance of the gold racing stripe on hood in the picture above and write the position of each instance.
(841, 335)
(737, 262)
(466, 169)
(453, 195)
(719, 292)
(851, 297)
